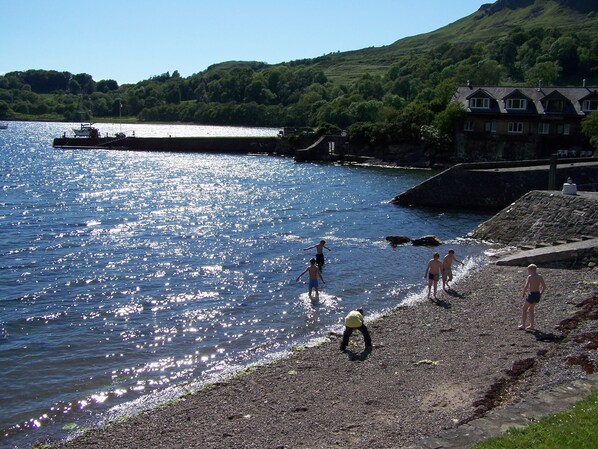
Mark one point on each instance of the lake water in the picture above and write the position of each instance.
(128, 277)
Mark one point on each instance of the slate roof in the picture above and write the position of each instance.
(536, 96)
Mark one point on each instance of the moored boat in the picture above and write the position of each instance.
(86, 130)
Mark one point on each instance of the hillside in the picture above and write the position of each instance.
(380, 94)
(490, 23)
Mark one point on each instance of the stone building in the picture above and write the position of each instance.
(515, 123)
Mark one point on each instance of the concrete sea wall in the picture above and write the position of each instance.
(494, 185)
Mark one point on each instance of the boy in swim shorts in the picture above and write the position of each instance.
(433, 270)
(447, 269)
(319, 252)
(314, 273)
(534, 287)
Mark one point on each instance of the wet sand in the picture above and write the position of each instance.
(433, 367)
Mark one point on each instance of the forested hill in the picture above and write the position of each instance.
(492, 22)
(390, 93)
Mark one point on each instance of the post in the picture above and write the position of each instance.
(552, 173)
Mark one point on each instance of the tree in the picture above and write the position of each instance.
(547, 72)
(106, 85)
(4, 109)
(564, 51)
(589, 126)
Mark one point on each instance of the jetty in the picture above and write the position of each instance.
(239, 145)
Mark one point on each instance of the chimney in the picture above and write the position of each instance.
(584, 82)
(539, 85)
(469, 83)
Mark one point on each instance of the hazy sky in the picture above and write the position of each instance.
(132, 40)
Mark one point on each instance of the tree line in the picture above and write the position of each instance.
(410, 101)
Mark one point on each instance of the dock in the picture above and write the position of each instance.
(238, 145)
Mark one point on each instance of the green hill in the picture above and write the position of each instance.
(491, 22)
(387, 92)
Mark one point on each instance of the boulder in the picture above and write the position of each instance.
(397, 239)
(427, 240)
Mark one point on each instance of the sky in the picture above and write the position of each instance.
(133, 40)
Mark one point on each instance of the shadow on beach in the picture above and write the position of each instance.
(454, 293)
(442, 303)
(547, 337)
(358, 356)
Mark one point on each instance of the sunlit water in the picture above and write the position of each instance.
(128, 277)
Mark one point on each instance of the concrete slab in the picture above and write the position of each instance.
(550, 254)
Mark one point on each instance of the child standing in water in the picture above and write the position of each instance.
(319, 252)
(534, 287)
(433, 271)
(314, 273)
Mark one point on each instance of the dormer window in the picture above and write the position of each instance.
(589, 105)
(517, 103)
(479, 103)
(555, 105)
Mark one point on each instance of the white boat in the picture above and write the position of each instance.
(86, 130)
(3, 126)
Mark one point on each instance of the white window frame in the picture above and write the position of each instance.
(474, 103)
(519, 104)
(468, 126)
(544, 128)
(589, 105)
(515, 127)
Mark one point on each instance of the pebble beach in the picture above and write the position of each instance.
(434, 367)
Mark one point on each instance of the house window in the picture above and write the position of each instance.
(517, 103)
(479, 103)
(544, 128)
(555, 105)
(516, 127)
(564, 129)
(490, 127)
(590, 105)
(468, 126)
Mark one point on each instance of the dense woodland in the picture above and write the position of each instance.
(404, 97)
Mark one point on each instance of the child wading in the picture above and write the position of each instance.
(319, 252)
(314, 273)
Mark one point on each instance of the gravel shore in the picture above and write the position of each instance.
(433, 367)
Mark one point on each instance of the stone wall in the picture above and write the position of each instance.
(543, 217)
(493, 185)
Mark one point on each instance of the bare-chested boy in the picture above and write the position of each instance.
(447, 269)
(433, 270)
(319, 252)
(314, 273)
(534, 287)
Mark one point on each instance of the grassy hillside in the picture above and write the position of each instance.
(490, 23)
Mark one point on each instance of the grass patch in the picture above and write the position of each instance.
(575, 428)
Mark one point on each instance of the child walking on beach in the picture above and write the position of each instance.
(314, 273)
(534, 287)
(433, 270)
(447, 269)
